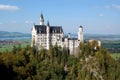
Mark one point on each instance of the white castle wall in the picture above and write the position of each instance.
(44, 40)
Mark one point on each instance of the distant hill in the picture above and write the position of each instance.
(102, 37)
(5, 34)
(13, 34)
(99, 36)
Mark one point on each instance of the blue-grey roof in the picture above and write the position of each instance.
(53, 29)
(56, 29)
(40, 28)
(81, 27)
(72, 38)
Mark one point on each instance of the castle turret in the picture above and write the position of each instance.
(80, 34)
(33, 36)
(48, 35)
(69, 36)
(41, 19)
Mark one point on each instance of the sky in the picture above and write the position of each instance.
(96, 16)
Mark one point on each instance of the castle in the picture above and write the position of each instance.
(45, 35)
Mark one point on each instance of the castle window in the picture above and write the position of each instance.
(55, 31)
(60, 30)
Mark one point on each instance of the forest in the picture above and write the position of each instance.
(56, 64)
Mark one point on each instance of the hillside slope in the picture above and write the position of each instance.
(57, 64)
(13, 34)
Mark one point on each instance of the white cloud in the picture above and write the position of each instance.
(107, 7)
(113, 6)
(13, 22)
(8, 7)
(108, 26)
(116, 6)
(101, 14)
(28, 22)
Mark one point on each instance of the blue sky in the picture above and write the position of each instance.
(96, 16)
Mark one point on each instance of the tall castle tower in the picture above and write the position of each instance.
(80, 34)
(41, 19)
(48, 35)
(44, 35)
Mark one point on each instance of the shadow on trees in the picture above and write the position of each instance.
(6, 73)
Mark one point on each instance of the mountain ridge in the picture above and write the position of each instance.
(14, 34)
(5, 34)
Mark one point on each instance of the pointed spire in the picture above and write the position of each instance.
(41, 19)
(48, 24)
(41, 16)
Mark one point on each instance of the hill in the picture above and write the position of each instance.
(102, 36)
(4, 34)
(57, 64)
